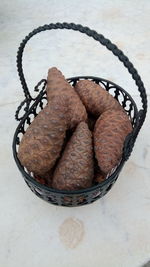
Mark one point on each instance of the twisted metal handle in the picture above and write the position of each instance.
(110, 46)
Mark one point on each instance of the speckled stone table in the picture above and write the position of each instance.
(115, 230)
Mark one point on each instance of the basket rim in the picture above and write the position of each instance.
(72, 192)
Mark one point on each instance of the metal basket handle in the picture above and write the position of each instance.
(105, 42)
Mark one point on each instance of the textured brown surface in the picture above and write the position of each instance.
(75, 168)
(62, 157)
(110, 132)
(95, 98)
(43, 140)
(45, 179)
(99, 177)
(57, 85)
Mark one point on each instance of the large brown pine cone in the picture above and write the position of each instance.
(58, 85)
(42, 142)
(110, 132)
(75, 168)
(95, 98)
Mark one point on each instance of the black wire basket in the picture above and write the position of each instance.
(32, 106)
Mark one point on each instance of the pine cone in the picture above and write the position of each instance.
(57, 85)
(75, 168)
(110, 132)
(96, 99)
(43, 140)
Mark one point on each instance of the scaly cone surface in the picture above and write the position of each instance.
(42, 142)
(96, 99)
(75, 168)
(58, 85)
(110, 132)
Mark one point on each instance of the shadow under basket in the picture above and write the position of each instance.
(34, 105)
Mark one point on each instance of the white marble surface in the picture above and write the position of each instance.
(115, 230)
